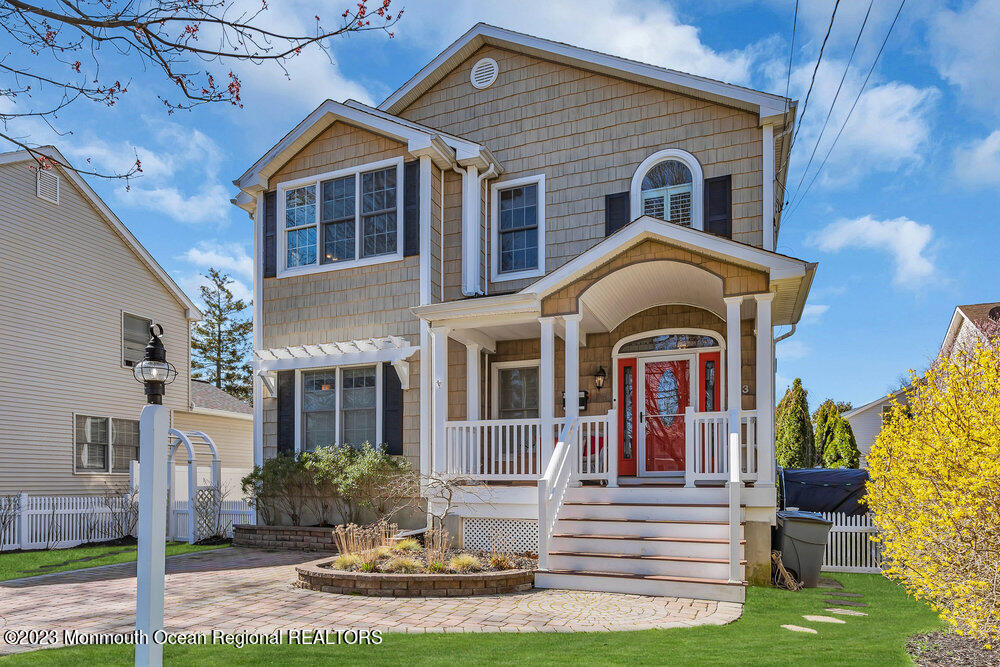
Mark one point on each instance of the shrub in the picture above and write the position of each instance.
(281, 486)
(935, 490)
(346, 561)
(368, 566)
(437, 567)
(407, 545)
(835, 442)
(402, 564)
(501, 562)
(465, 563)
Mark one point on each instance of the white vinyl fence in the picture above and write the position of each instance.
(850, 547)
(58, 522)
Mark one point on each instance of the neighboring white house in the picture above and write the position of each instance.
(78, 294)
(968, 324)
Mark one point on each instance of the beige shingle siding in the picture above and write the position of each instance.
(436, 214)
(344, 304)
(588, 133)
(452, 236)
(66, 278)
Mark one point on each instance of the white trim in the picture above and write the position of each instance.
(494, 73)
(496, 367)
(260, 378)
(697, 180)
(338, 389)
(616, 348)
(691, 357)
(285, 271)
(111, 443)
(765, 104)
(495, 274)
(214, 412)
(117, 225)
(767, 197)
(139, 317)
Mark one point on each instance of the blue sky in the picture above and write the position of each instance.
(902, 219)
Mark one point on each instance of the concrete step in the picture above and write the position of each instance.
(642, 546)
(644, 528)
(615, 582)
(669, 566)
(641, 510)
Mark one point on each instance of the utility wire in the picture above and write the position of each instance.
(834, 102)
(851, 111)
(788, 79)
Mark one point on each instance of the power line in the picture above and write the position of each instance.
(851, 111)
(788, 79)
(835, 97)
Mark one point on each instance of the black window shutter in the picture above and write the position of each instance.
(411, 208)
(270, 245)
(392, 410)
(616, 212)
(719, 206)
(286, 412)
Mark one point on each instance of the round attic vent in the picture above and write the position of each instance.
(484, 73)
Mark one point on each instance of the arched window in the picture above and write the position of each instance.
(666, 342)
(668, 186)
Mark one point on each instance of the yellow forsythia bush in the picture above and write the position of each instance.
(935, 490)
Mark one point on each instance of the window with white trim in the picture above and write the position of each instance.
(339, 406)
(517, 392)
(667, 192)
(518, 228)
(105, 444)
(343, 218)
(135, 335)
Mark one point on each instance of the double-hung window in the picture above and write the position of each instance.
(339, 406)
(345, 218)
(516, 394)
(518, 222)
(135, 335)
(105, 444)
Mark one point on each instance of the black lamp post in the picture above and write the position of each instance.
(154, 372)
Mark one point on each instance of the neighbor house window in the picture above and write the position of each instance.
(105, 444)
(517, 392)
(343, 400)
(518, 224)
(354, 220)
(667, 191)
(135, 335)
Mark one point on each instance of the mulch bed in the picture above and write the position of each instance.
(948, 648)
(517, 561)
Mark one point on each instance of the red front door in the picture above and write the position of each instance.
(666, 393)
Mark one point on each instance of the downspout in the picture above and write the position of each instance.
(485, 235)
(786, 334)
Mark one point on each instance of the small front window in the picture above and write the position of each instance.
(518, 393)
(518, 209)
(666, 192)
(337, 216)
(358, 406)
(135, 335)
(300, 223)
(319, 409)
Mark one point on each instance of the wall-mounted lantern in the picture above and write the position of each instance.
(599, 377)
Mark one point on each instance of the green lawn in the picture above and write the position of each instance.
(757, 638)
(13, 565)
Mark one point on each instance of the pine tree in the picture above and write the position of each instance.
(834, 438)
(220, 343)
(794, 433)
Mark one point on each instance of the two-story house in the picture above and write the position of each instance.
(78, 295)
(525, 221)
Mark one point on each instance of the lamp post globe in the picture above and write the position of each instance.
(154, 372)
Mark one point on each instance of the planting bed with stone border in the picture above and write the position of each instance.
(298, 538)
(318, 576)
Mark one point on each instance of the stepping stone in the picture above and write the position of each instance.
(845, 612)
(825, 582)
(846, 595)
(849, 603)
(822, 619)
(799, 628)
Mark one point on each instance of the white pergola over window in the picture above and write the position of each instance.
(391, 349)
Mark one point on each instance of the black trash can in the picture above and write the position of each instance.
(801, 538)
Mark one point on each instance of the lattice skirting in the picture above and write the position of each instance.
(517, 535)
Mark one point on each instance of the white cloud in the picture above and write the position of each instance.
(230, 257)
(963, 44)
(790, 350)
(906, 241)
(209, 204)
(978, 162)
(639, 29)
(812, 312)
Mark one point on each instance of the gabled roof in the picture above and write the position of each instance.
(116, 225)
(877, 402)
(764, 104)
(206, 396)
(445, 149)
(977, 314)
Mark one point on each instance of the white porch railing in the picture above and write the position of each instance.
(707, 446)
(494, 449)
(595, 453)
(552, 488)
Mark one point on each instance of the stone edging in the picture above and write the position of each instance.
(314, 576)
(300, 538)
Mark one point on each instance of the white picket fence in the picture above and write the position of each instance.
(58, 522)
(850, 547)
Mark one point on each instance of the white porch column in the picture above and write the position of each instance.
(765, 395)
(547, 390)
(734, 382)
(572, 340)
(473, 380)
(439, 391)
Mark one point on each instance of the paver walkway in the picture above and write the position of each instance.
(251, 590)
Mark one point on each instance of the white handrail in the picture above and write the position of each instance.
(552, 487)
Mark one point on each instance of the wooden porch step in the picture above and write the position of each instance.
(647, 577)
(609, 503)
(681, 521)
(701, 540)
(673, 559)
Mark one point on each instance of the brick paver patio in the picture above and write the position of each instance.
(251, 590)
